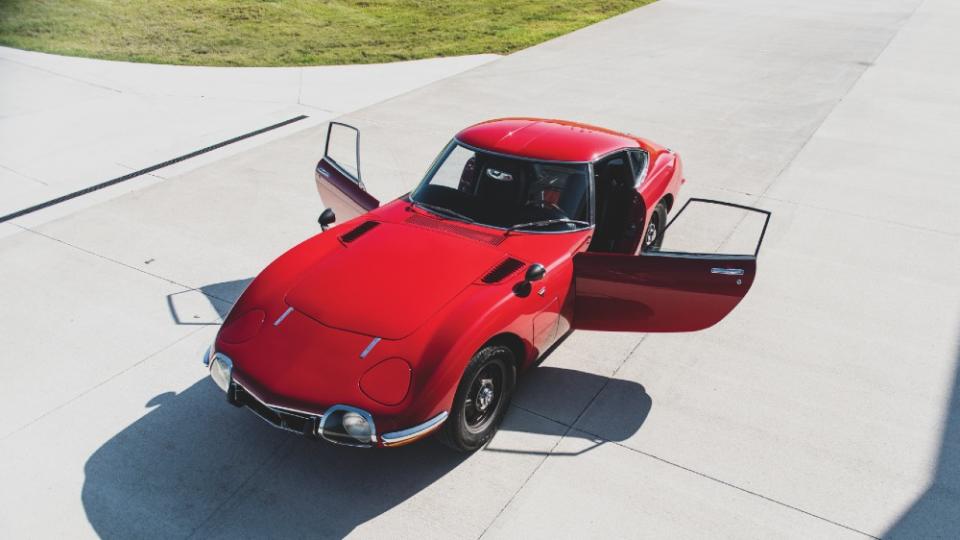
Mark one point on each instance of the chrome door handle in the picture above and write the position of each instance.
(727, 271)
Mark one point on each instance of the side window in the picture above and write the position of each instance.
(343, 147)
(638, 159)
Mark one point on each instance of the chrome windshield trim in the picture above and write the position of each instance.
(398, 437)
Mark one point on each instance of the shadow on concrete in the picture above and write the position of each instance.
(220, 295)
(194, 461)
(936, 513)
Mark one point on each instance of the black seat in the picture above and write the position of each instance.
(500, 186)
(614, 188)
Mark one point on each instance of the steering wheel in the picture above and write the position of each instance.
(546, 205)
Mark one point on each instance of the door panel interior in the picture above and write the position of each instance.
(658, 292)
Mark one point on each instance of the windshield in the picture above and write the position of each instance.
(505, 192)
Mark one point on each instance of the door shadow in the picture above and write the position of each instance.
(936, 513)
(196, 465)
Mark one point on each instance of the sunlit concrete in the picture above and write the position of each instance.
(69, 123)
(825, 406)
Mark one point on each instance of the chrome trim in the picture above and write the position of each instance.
(226, 361)
(207, 356)
(369, 348)
(727, 271)
(347, 408)
(282, 317)
(276, 407)
(399, 437)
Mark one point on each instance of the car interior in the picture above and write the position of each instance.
(615, 182)
(503, 192)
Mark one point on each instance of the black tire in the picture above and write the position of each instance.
(653, 234)
(473, 419)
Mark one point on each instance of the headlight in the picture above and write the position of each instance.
(356, 426)
(342, 424)
(221, 371)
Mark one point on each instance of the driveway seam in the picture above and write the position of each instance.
(561, 438)
(687, 469)
(121, 263)
(99, 384)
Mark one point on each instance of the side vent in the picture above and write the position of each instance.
(358, 231)
(502, 270)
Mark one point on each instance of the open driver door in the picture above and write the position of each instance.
(663, 291)
(338, 174)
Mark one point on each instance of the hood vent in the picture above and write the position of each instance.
(502, 270)
(448, 227)
(358, 231)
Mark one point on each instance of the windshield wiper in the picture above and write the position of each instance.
(546, 222)
(446, 212)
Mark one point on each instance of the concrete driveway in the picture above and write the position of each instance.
(826, 405)
(69, 123)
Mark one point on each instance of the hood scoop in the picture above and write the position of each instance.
(501, 271)
(358, 231)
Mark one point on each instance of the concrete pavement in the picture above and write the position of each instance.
(826, 405)
(69, 123)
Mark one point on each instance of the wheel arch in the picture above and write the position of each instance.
(667, 201)
(512, 342)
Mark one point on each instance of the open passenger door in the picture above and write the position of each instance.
(338, 174)
(663, 291)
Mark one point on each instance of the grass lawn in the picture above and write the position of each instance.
(291, 32)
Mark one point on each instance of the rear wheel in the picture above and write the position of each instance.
(653, 235)
(481, 400)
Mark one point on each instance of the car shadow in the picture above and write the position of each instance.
(936, 513)
(196, 465)
(220, 296)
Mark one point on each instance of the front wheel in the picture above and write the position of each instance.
(653, 236)
(481, 400)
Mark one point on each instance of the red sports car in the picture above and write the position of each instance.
(417, 316)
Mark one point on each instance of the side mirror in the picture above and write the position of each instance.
(535, 272)
(326, 218)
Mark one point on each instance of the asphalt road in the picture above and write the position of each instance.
(826, 405)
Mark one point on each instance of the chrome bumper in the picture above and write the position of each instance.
(309, 423)
(409, 435)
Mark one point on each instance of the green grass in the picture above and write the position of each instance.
(291, 32)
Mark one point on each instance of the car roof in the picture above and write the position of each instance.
(538, 138)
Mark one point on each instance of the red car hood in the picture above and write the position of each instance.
(388, 281)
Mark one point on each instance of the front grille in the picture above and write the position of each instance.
(295, 421)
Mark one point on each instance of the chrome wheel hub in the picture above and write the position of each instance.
(485, 395)
(651, 233)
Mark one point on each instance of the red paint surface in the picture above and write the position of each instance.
(414, 280)
(387, 382)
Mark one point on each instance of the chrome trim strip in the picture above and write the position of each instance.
(282, 317)
(398, 437)
(727, 271)
(369, 348)
(275, 407)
